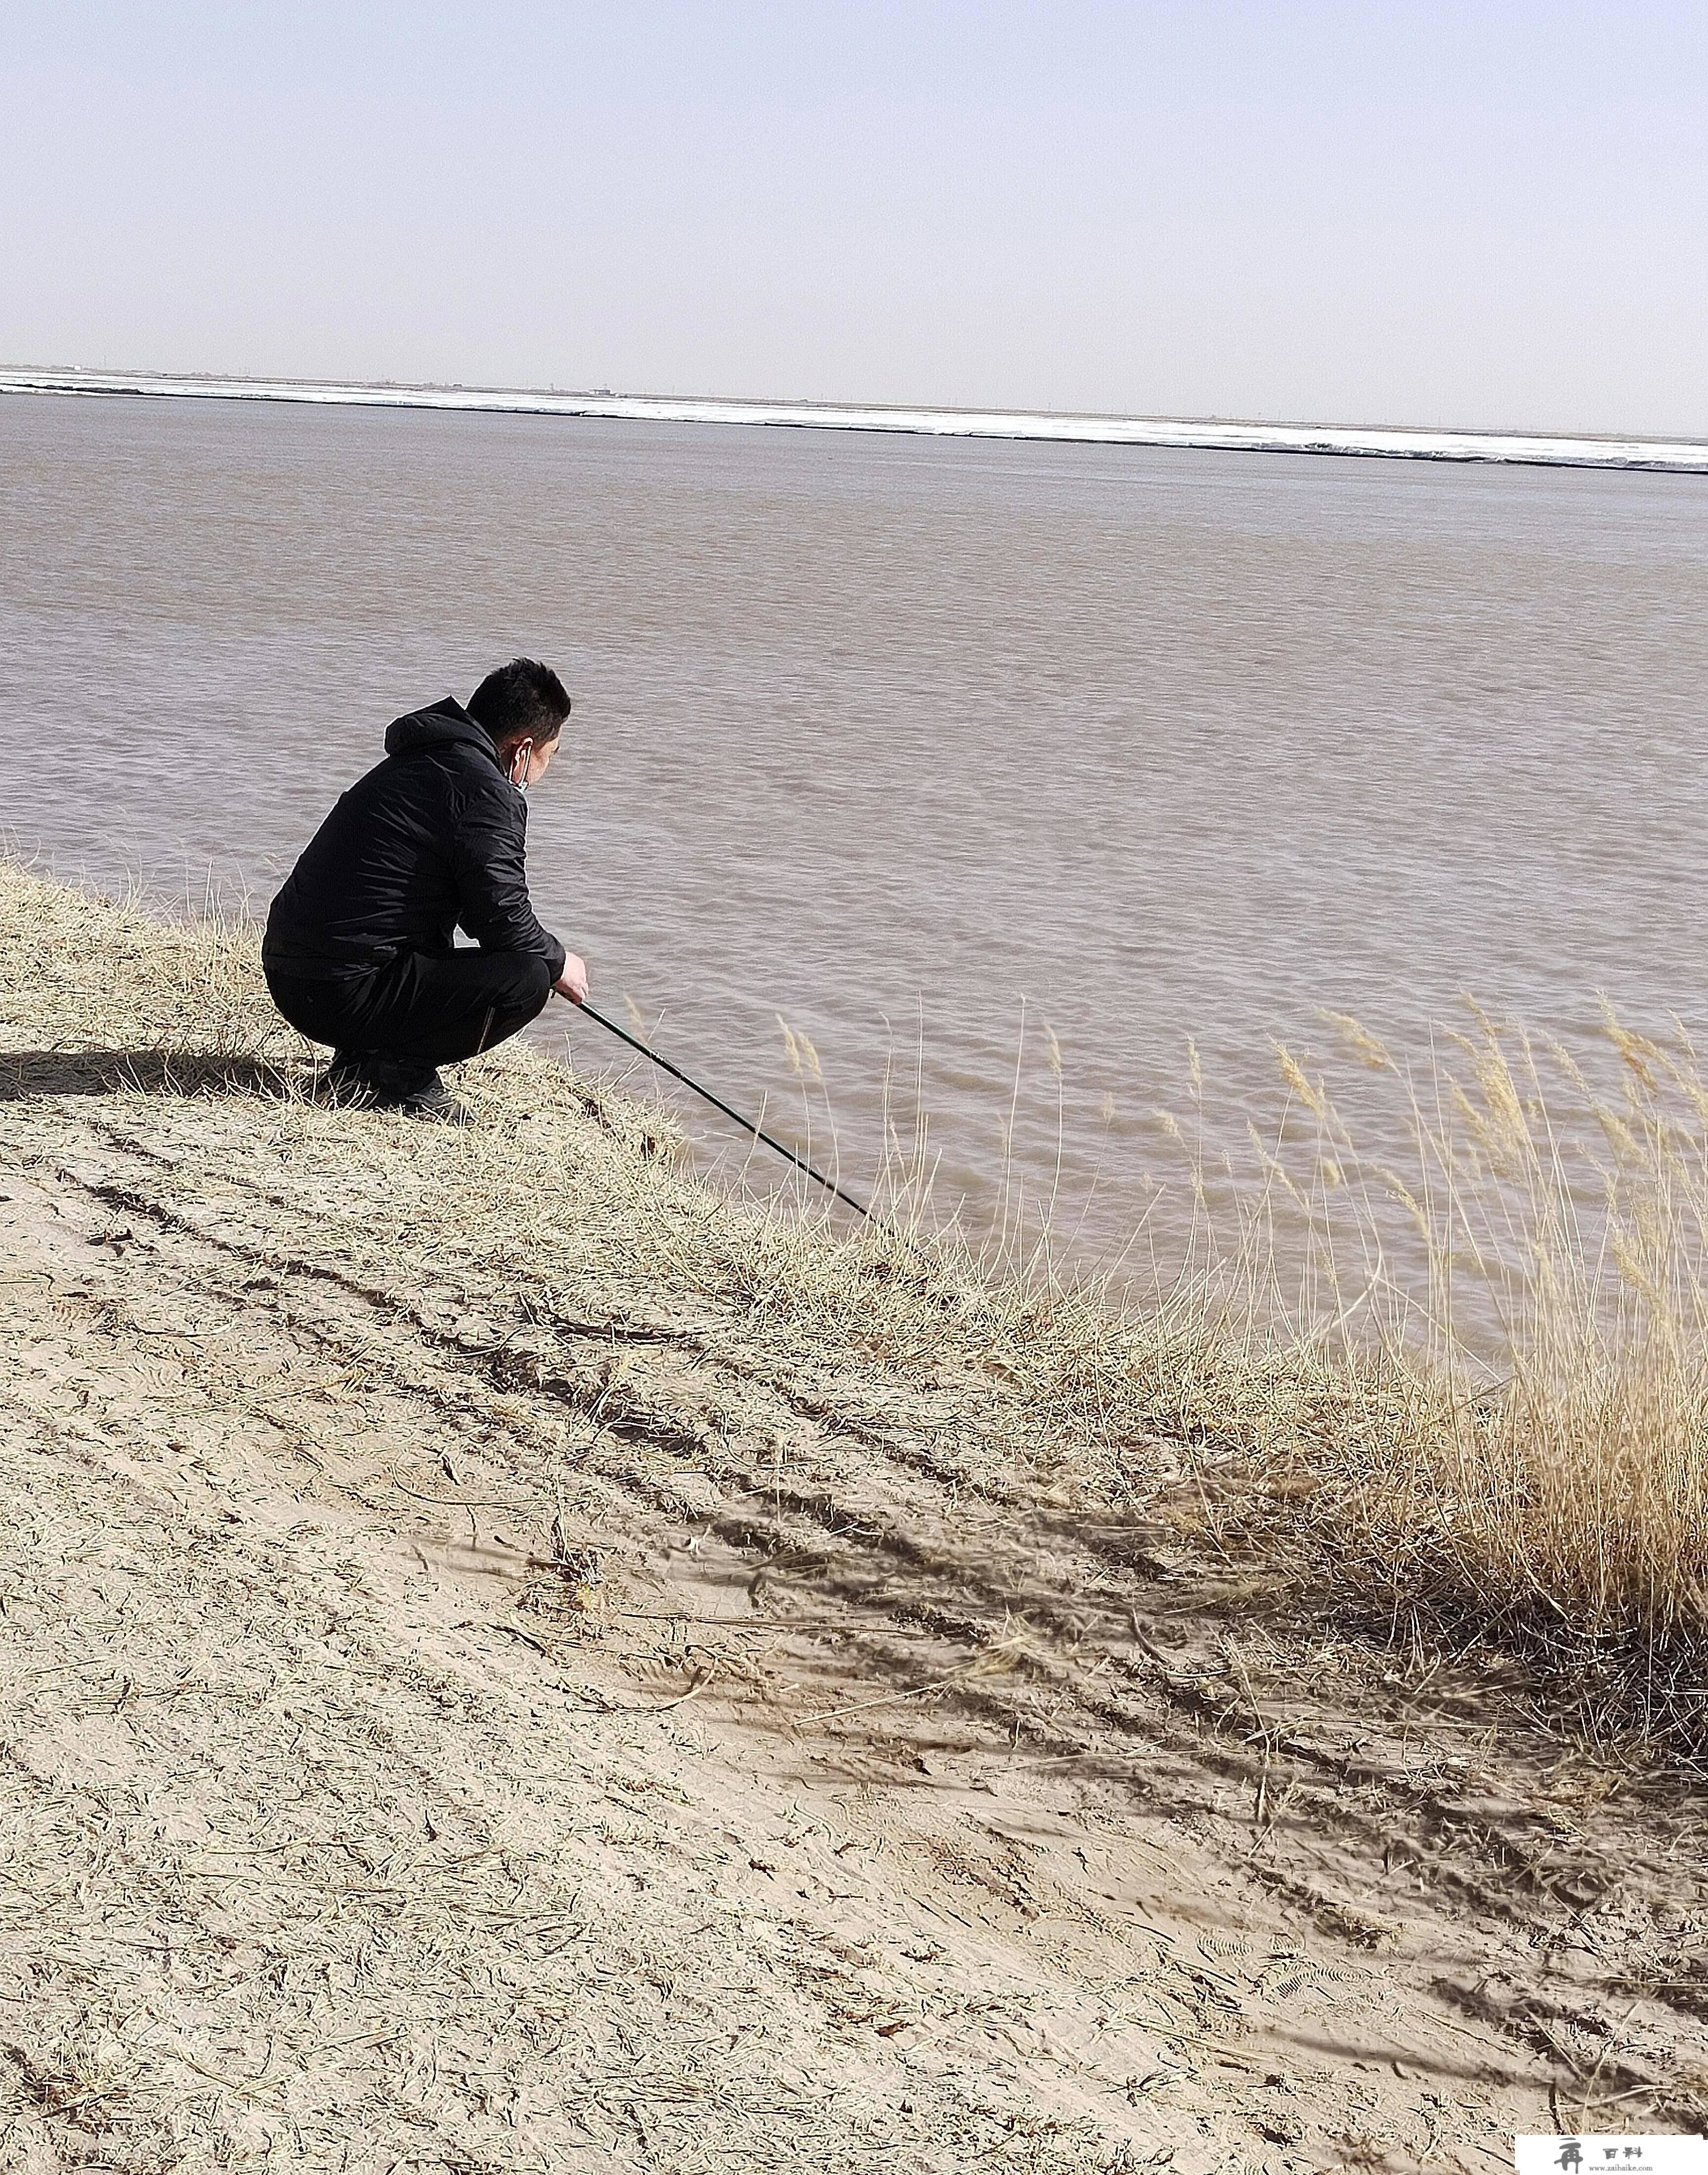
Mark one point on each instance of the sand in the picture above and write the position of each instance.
(499, 1673)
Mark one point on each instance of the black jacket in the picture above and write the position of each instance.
(430, 841)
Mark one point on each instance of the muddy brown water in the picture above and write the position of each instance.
(890, 736)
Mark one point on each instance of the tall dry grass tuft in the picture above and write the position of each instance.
(1490, 1354)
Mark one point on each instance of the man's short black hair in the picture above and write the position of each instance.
(521, 700)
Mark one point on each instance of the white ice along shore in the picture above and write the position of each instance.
(1677, 456)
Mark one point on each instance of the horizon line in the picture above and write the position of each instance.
(1392, 441)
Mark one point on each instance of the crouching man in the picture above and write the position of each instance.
(358, 949)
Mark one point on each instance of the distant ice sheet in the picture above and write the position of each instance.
(1395, 444)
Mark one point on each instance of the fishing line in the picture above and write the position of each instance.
(718, 1102)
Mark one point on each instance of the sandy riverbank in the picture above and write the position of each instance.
(510, 1662)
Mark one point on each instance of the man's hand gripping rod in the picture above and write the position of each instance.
(717, 1102)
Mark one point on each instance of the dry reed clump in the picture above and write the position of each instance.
(1468, 1381)
(1486, 1363)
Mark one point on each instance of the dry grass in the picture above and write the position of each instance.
(1478, 1377)
(1472, 1387)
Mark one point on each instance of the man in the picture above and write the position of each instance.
(358, 949)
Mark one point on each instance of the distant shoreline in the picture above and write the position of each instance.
(1512, 449)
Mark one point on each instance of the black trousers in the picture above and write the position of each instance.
(426, 1008)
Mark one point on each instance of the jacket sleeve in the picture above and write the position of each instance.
(487, 860)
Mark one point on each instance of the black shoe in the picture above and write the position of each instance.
(354, 1082)
(435, 1105)
(346, 1083)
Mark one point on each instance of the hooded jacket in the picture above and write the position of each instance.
(429, 841)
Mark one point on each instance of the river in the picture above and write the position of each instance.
(901, 739)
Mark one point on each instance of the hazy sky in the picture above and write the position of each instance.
(1489, 214)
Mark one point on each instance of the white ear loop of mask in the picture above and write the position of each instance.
(525, 752)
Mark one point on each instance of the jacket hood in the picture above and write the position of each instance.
(441, 724)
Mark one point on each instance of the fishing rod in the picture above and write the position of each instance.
(718, 1102)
